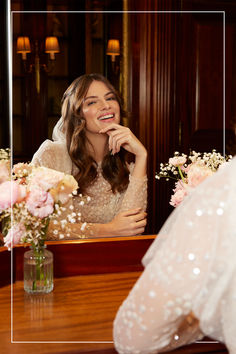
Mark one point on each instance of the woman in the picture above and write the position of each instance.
(188, 287)
(90, 143)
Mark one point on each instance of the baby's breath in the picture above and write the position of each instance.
(5, 154)
(212, 160)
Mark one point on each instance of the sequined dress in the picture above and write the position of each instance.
(188, 287)
(102, 205)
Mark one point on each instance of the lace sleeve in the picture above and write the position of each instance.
(136, 193)
(69, 226)
(53, 155)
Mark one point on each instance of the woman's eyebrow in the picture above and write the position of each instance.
(86, 98)
(106, 94)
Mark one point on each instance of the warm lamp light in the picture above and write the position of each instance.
(52, 46)
(113, 48)
(23, 46)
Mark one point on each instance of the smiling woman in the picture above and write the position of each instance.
(91, 143)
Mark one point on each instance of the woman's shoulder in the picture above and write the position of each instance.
(53, 154)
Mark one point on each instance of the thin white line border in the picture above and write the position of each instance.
(10, 72)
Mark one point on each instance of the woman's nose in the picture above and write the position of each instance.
(105, 104)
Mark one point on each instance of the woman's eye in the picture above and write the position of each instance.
(91, 102)
(111, 98)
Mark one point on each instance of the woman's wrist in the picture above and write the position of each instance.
(140, 166)
(141, 154)
(105, 229)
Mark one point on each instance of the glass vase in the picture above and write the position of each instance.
(38, 271)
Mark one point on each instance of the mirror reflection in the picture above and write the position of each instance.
(169, 70)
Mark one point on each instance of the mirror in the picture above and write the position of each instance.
(170, 71)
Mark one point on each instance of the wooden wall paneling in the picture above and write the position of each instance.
(185, 81)
(156, 104)
(177, 85)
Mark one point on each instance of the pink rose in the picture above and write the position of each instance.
(10, 193)
(45, 178)
(40, 203)
(177, 197)
(4, 170)
(177, 160)
(64, 189)
(197, 174)
(14, 235)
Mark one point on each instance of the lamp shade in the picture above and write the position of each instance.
(23, 46)
(52, 46)
(113, 47)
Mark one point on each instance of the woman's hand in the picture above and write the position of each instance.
(123, 136)
(127, 223)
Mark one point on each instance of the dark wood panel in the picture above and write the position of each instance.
(91, 256)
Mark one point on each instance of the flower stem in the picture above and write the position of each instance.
(181, 174)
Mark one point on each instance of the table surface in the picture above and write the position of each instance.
(81, 308)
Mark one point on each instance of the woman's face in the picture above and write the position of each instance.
(100, 107)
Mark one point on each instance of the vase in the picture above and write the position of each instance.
(38, 271)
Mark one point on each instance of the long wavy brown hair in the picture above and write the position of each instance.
(114, 167)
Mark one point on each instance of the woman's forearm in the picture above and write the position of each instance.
(140, 166)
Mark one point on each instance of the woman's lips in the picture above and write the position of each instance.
(107, 117)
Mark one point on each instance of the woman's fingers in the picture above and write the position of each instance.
(123, 136)
(110, 127)
(130, 222)
(140, 216)
(118, 140)
(118, 136)
(131, 212)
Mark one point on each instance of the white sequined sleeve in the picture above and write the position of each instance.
(188, 286)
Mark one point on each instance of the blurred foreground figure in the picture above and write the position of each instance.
(188, 287)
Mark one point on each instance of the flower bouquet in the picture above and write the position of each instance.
(30, 197)
(189, 171)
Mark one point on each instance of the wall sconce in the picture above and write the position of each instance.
(113, 49)
(51, 47)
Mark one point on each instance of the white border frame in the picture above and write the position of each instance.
(9, 72)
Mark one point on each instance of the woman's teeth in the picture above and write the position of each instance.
(108, 116)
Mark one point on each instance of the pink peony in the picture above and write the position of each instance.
(180, 191)
(14, 235)
(10, 193)
(40, 203)
(4, 170)
(177, 160)
(179, 185)
(45, 178)
(22, 169)
(197, 174)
